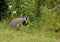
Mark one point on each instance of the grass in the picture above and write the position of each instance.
(7, 35)
(37, 31)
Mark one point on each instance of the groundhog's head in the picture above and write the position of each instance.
(25, 23)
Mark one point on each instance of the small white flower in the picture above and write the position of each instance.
(22, 6)
(26, 3)
(10, 6)
(21, 14)
(14, 12)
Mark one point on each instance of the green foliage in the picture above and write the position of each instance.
(27, 7)
(32, 8)
(3, 9)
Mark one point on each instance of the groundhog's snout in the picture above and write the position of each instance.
(25, 23)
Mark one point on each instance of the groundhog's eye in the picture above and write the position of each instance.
(26, 18)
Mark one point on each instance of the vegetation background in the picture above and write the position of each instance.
(44, 16)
